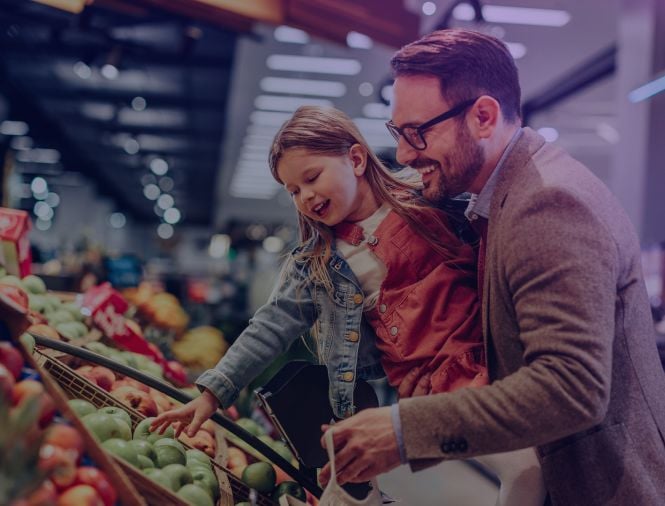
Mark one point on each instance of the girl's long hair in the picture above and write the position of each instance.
(330, 132)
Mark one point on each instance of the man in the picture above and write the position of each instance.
(569, 338)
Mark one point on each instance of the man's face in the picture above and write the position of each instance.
(453, 158)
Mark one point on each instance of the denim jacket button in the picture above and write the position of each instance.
(347, 376)
(358, 298)
(393, 331)
(353, 336)
(383, 308)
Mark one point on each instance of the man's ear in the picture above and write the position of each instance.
(484, 117)
(358, 157)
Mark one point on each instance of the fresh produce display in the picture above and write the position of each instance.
(200, 348)
(159, 308)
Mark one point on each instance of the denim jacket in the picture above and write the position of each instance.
(346, 343)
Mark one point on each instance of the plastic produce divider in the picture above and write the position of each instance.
(305, 480)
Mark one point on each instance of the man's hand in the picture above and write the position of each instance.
(365, 446)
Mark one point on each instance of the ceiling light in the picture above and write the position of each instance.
(219, 245)
(43, 210)
(647, 90)
(303, 87)
(273, 244)
(517, 49)
(172, 215)
(43, 225)
(158, 210)
(82, 70)
(53, 199)
(514, 15)
(117, 220)
(365, 89)
(131, 146)
(358, 40)
(147, 179)
(377, 110)
(608, 133)
(387, 93)
(8, 127)
(290, 104)
(38, 155)
(139, 103)
(429, 8)
(290, 35)
(39, 185)
(151, 192)
(165, 231)
(314, 64)
(550, 134)
(40, 196)
(110, 71)
(103, 112)
(21, 143)
(159, 166)
(165, 201)
(166, 184)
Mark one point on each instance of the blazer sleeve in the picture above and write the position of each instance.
(559, 268)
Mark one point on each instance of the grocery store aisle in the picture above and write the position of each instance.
(452, 483)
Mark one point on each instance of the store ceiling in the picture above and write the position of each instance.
(199, 99)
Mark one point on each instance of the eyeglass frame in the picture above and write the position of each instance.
(397, 132)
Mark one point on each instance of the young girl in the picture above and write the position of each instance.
(379, 275)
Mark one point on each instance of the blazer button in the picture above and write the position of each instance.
(372, 240)
(358, 298)
(383, 308)
(446, 447)
(353, 336)
(462, 445)
(347, 376)
(394, 331)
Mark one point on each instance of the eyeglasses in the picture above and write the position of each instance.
(414, 135)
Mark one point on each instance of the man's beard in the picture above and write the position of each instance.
(463, 165)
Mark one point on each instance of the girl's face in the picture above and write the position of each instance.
(328, 189)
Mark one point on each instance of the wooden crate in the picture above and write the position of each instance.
(232, 489)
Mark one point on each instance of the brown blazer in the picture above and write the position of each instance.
(569, 340)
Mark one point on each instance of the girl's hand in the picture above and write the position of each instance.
(190, 416)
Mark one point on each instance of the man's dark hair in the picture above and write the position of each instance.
(468, 64)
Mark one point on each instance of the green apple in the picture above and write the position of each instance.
(34, 284)
(28, 341)
(122, 449)
(117, 413)
(142, 431)
(37, 303)
(144, 448)
(195, 496)
(260, 476)
(193, 455)
(81, 407)
(251, 426)
(282, 450)
(99, 348)
(104, 426)
(179, 474)
(159, 476)
(59, 316)
(74, 310)
(168, 451)
(206, 479)
(145, 462)
(289, 488)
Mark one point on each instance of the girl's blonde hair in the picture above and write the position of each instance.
(330, 132)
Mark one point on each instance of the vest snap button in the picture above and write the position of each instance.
(393, 331)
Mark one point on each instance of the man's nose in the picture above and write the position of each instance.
(405, 152)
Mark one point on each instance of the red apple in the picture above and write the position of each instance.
(32, 388)
(209, 426)
(129, 382)
(201, 441)
(136, 399)
(97, 479)
(45, 495)
(11, 358)
(58, 464)
(67, 438)
(103, 376)
(7, 383)
(232, 412)
(80, 495)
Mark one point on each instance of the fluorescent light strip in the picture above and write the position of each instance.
(314, 64)
(517, 49)
(290, 35)
(289, 104)
(371, 125)
(514, 15)
(647, 90)
(376, 110)
(303, 87)
(261, 131)
(357, 40)
(265, 118)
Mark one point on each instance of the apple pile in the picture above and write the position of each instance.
(42, 458)
(136, 360)
(162, 458)
(55, 318)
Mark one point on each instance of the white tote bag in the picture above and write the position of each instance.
(334, 495)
